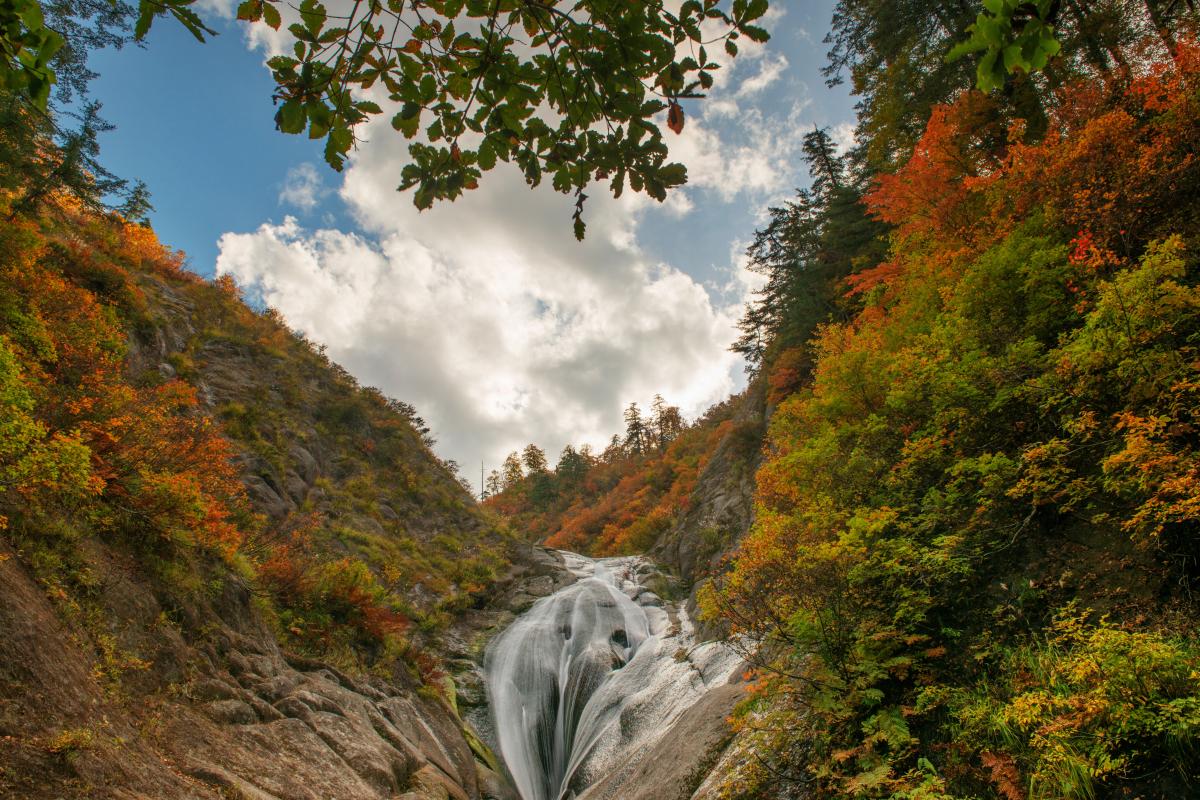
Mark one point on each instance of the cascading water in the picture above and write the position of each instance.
(591, 675)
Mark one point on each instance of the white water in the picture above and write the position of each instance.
(589, 678)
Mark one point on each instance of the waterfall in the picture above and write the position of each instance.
(590, 676)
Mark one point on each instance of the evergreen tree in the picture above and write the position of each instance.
(572, 466)
(667, 422)
(635, 430)
(43, 162)
(614, 452)
(808, 246)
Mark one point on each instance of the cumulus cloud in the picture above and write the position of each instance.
(843, 135)
(488, 316)
(216, 8)
(302, 187)
(756, 154)
(491, 319)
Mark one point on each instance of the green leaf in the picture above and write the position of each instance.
(271, 16)
(755, 33)
(313, 15)
(408, 120)
(146, 14)
(320, 119)
(337, 145)
(250, 11)
(673, 174)
(487, 155)
(291, 117)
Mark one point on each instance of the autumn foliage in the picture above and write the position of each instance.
(135, 451)
(103, 437)
(621, 502)
(975, 531)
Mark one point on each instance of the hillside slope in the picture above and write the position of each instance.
(225, 568)
(973, 557)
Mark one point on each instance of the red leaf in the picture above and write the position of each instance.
(675, 117)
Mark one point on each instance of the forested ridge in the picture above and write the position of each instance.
(974, 534)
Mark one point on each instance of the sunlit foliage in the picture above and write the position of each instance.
(622, 501)
(974, 524)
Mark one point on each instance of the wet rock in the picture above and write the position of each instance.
(493, 786)
(429, 783)
(674, 766)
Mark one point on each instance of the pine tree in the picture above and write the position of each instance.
(667, 422)
(614, 452)
(571, 467)
(635, 430)
(807, 247)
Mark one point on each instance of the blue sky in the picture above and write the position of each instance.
(484, 313)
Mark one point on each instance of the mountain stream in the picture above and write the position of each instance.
(589, 678)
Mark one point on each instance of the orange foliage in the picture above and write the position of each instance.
(623, 506)
(787, 372)
(159, 464)
(319, 597)
(1099, 170)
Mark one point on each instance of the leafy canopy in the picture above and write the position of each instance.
(1014, 36)
(27, 46)
(569, 91)
(470, 81)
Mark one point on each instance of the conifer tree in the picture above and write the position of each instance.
(635, 430)
(667, 422)
(571, 467)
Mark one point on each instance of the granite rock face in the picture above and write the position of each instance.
(227, 715)
(720, 509)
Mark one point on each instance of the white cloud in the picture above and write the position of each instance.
(754, 155)
(487, 315)
(302, 187)
(770, 69)
(490, 318)
(216, 8)
(843, 135)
